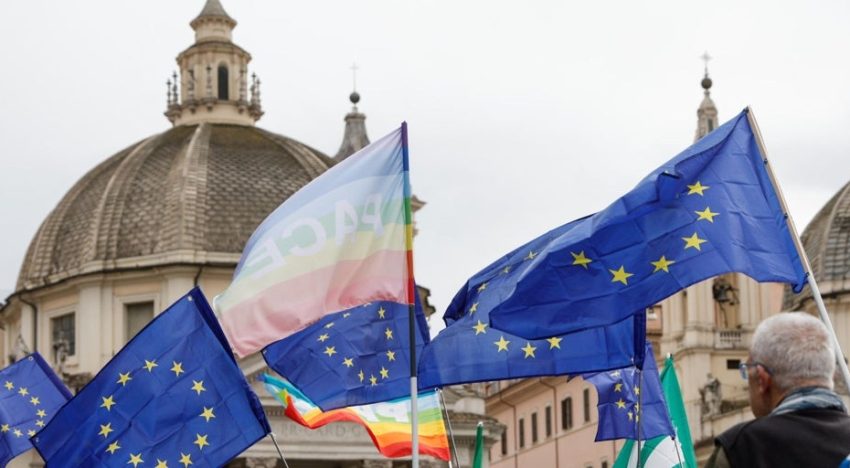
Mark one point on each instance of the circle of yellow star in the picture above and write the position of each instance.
(330, 350)
(4, 428)
(40, 423)
(554, 342)
(207, 414)
(198, 386)
(381, 312)
(618, 387)
(361, 375)
(17, 433)
(113, 447)
(124, 378)
(621, 404)
(23, 391)
(41, 413)
(693, 241)
(615, 374)
(323, 337)
(185, 459)
(385, 374)
(631, 416)
(30, 433)
(177, 368)
(480, 327)
(373, 380)
(506, 270)
(697, 188)
(473, 308)
(529, 350)
(149, 365)
(9, 385)
(135, 459)
(391, 355)
(348, 362)
(662, 264)
(502, 344)
(706, 214)
(201, 441)
(389, 334)
(580, 259)
(482, 287)
(105, 429)
(531, 255)
(108, 402)
(621, 275)
(330, 325)
(346, 315)
(34, 400)
(161, 464)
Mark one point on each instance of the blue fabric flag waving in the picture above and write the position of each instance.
(172, 396)
(470, 350)
(351, 358)
(628, 398)
(30, 395)
(710, 210)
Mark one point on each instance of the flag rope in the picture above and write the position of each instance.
(798, 244)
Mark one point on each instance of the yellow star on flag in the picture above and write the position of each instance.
(615, 374)
(389, 333)
(662, 264)
(385, 373)
(381, 312)
(322, 337)
(637, 390)
(529, 350)
(113, 447)
(185, 459)
(135, 459)
(161, 464)
(23, 391)
(108, 402)
(34, 400)
(621, 404)
(480, 327)
(631, 416)
(207, 414)
(706, 214)
(531, 255)
(502, 344)
(346, 315)
(198, 386)
(30, 433)
(348, 362)
(149, 365)
(41, 413)
(506, 269)
(621, 275)
(580, 260)
(361, 375)
(105, 429)
(9, 385)
(201, 441)
(17, 433)
(4, 428)
(697, 188)
(373, 380)
(474, 308)
(391, 355)
(39, 423)
(330, 350)
(618, 387)
(693, 241)
(124, 378)
(330, 325)
(554, 342)
(482, 287)
(177, 368)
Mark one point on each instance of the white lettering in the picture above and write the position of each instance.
(372, 214)
(346, 222)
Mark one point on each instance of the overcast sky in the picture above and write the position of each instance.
(522, 115)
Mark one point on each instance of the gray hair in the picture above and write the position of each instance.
(796, 348)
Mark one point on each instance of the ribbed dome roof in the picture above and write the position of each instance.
(827, 244)
(190, 195)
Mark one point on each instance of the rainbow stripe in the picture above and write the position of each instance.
(341, 241)
(388, 423)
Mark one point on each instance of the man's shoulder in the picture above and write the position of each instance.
(770, 424)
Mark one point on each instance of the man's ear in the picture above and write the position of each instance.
(765, 381)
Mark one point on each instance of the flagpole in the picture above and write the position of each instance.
(411, 298)
(638, 419)
(449, 426)
(824, 315)
(280, 454)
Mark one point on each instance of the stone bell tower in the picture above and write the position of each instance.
(213, 82)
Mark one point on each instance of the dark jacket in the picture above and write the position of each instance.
(806, 438)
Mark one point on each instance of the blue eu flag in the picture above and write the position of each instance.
(355, 357)
(710, 210)
(173, 396)
(30, 395)
(470, 350)
(629, 398)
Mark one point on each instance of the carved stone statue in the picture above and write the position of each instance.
(711, 396)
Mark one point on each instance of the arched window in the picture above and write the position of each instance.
(223, 83)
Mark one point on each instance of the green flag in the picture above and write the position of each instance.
(664, 452)
(478, 459)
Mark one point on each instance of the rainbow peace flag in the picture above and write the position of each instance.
(341, 241)
(388, 423)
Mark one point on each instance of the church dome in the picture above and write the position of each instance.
(189, 196)
(826, 241)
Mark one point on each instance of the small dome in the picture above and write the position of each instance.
(706, 83)
(826, 241)
(354, 97)
(190, 195)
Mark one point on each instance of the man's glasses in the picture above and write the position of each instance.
(745, 367)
